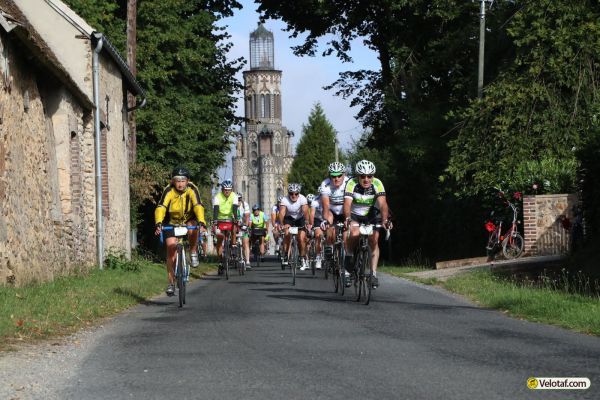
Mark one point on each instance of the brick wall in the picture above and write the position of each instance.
(546, 231)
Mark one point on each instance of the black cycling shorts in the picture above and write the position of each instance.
(300, 222)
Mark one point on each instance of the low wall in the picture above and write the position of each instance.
(547, 219)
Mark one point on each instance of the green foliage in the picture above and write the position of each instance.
(116, 259)
(315, 151)
(539, 108)
(546, 176)
(589, 189)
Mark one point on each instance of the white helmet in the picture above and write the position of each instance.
(294, 187)
(336, 168)
(279, 198)
(226, 184)
(310, 197)
(364, 167)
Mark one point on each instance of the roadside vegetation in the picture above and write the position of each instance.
(67, 304)
(562, 298)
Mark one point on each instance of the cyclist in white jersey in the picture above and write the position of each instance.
(315, 216)
(332, 203)
(365, 202)
(293, 211)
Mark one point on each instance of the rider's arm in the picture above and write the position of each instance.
(325, 205)
(282, 210)
(273, 219)
(347, 207)
(311, 215)
(305, 212)
(383, 208)
(198, 207)
(215, 212)
(161, 209)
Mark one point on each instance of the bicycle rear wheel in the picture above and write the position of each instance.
(335, 273)
(512, 246)
(179, 274)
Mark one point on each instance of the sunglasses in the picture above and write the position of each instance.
(366, 176)
(293, 194)
(335, 176)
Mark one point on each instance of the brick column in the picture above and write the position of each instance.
(529, 225)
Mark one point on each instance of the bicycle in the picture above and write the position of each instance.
(182, 267)
(237, 256)
(362, 263)
(227, 228)
(312, 251)
(511, 242)
(293, 256)
(337, 263)
(257, 234)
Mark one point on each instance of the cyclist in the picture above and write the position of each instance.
(244, 217)
(225, 208)
(258, 221)
(293, 211)
(332, 203)
(275, 223)
(364, 202)
(181, 200)
(315, 215)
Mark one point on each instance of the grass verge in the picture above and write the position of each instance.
(69, 303)
(540, 304)
(546, 303)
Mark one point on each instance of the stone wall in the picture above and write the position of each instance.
(546, 222)
(47, 172)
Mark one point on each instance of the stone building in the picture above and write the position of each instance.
(48, 219)
(263, 149)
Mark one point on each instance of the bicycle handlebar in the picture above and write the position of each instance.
(172, 227)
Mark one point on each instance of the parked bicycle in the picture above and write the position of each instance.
(510, 242)
(182, 266)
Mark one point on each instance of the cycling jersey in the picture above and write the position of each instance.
(244, 208)
(225, 205)
(335, 194)
(294, 210)
(258, 221)
(316, 204)
(180, 207)
(363, 200)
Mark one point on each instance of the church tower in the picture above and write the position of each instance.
(263, 150)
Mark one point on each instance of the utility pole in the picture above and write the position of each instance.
(481, 46)
(335, 143)
(131, 62)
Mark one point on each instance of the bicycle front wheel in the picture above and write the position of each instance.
(226, 255)
(365, 279)
(359, 274)
(294, 259)
(179, 271)
(512, 246)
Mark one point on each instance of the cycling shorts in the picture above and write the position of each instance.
(300, 222)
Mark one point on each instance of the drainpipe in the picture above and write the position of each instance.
(97, 143)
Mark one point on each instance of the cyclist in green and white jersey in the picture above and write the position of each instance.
(364, 202)
(225, 208)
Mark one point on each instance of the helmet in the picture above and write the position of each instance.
(279, 198)
(226, 184)
(364, 167)
(336, 168)
(255, 207)
(180, 171)
(310, 197)
(294, 187)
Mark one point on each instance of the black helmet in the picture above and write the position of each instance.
(255, 207)
(180, 171)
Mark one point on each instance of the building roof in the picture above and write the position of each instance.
(261, 32)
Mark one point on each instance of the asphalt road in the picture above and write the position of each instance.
(259, 337)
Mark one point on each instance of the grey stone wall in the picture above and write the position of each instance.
(47, 173)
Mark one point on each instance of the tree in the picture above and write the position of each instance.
(539, 109)
(315, 151)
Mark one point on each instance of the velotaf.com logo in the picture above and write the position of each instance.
(558, 383)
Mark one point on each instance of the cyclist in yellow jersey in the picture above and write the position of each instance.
(258, 224)
(225, 208)
(180, 201)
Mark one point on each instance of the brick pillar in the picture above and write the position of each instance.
(529, 225)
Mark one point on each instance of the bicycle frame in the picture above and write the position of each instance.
(511, 239)
(182, 269)
(293, 251)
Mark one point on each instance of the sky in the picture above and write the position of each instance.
(303, 78)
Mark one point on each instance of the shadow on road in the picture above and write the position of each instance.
(141, 299)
